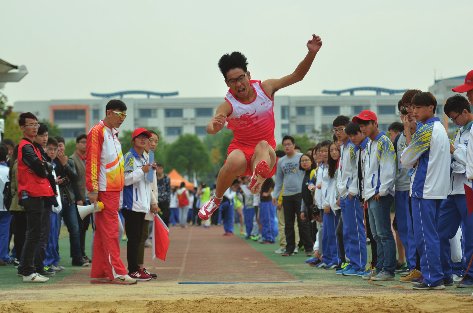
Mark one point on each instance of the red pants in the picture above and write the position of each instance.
(106, 255)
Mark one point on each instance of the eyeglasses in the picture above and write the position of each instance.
(304, 161)
(83, 141)
(120, 114)
(32, 125)
(338, 130)
(239, 79)
(453, 119)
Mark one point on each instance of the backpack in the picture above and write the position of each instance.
(182, 199)
(7, 196)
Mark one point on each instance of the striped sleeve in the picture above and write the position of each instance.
(92, 164)
(420, 143)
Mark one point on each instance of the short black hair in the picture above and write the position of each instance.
(159, 165)
(43, 128)
(287, 137)
(352, 129)
(154, 132)
(23, 116)
(60, 140)
(408, 95)
(116, 104)
(325, 143)
(230, 61)
(399, 105)
(396, 126)
(457, 104)
(280, 153)
(424, 99)
(3, 152)
(8, 142)
(52, 141)
(297, 147)
(341, 120)
(80, 137)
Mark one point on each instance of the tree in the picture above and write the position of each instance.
(303, 141)
(70, 147)
(188, 155)
(12, 129)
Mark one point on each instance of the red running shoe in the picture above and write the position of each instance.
(260, 174)
(140, 275)
(209, 208)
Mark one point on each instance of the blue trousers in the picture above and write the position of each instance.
(354, 234)
(174, 216)
(380, 223)
(425, 216)
(52, 250)
(5, 219)
(266, 218)
(228, 216)
(248, 216)
(329, 239)
(405, 227)
(452, 213)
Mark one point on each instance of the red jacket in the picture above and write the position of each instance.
(27, 180)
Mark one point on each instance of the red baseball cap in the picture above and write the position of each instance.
(140, 131)
(365, 115)
(467, 86)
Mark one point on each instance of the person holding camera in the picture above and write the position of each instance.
(35, 194)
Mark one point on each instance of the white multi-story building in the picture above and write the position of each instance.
(174, 116)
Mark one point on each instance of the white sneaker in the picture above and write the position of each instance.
(58, 268)
(281, 250)
(35, 278)
(296, 250)
(124, 280)
(209, 208)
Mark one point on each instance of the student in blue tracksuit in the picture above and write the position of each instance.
(354, 235)
(361, 142)
(429, 153)
(453, 210)
(378, 191)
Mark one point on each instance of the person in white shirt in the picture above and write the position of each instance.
(379, 170)
(453, 211)
(429, 153)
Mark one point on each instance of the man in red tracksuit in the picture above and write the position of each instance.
(104, 181)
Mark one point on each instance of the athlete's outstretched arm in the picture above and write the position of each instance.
(273, 85)
(218, 121)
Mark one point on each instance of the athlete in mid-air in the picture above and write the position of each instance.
(248, 112)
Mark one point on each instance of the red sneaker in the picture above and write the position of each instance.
(209, 208)
(140, 275)
(260, 174)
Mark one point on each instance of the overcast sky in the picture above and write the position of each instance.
(72, 48)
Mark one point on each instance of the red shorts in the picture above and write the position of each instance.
(248, 152)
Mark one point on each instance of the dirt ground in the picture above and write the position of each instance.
(227, 276)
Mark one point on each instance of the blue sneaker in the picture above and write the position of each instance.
(322, 265)
(310, 260)
(341, 271)
(350, 272)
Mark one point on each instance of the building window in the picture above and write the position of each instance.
(302, 129)
(358, 108)
(284, 112)
(72, 132)
(173, 131)
(387, 110)
(284, 129)
(69, 116)
(330, 110)
(147, 113)
(201, 130)
(304, 111)
(95, 114)
(203, 112)
(173, 112)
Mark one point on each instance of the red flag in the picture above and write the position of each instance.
(469, 198)
(160, 238)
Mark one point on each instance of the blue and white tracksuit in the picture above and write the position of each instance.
(378, 179)
(453, 211)
(354, 235)
(330, 220)
(430, 150)
(402, 204)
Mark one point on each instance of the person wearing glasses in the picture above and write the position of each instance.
(248, 112)
(105, 179)
(35, 195)
(453, 211)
